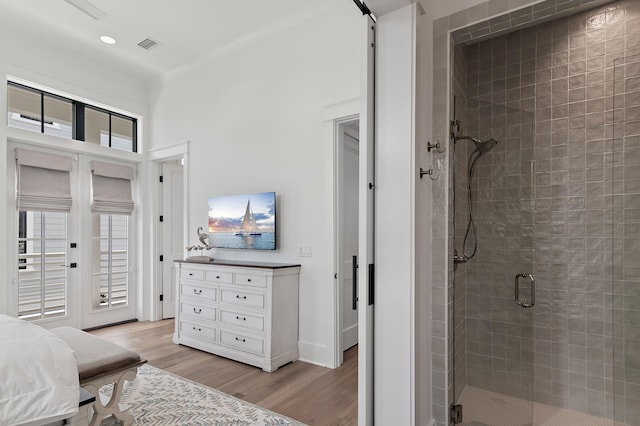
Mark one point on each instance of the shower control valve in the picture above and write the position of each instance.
(431, 146)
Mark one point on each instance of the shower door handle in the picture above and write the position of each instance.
(532, 290)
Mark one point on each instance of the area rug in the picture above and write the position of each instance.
(158, 397)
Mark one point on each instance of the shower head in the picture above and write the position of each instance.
(485, 146)
(467, 138)
(481, 146)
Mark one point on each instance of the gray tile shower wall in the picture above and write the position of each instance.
(544, 208)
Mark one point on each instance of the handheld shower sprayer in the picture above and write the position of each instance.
(482, 147)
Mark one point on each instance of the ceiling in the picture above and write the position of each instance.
(186, 30)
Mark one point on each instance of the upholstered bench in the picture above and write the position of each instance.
(100, 363)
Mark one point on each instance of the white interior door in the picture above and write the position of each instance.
(172, 231)
(349, 232)
(366, 228)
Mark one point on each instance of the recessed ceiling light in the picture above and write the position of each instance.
(107, 39)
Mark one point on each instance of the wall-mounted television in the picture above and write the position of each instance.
(243, 221)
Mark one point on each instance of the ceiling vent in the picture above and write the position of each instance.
(148, 44)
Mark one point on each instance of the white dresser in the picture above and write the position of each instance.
(246, 311)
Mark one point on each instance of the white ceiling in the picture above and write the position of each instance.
(186, 30)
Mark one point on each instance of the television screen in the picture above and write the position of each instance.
(243, 221)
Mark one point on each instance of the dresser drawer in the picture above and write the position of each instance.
(192, 274)
(200, 331)
(198, 311)
(200, 292)
(241, 298)
(238, 319)
(219, 277)
(252, 280)
(243, 342)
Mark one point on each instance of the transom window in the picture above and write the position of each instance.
(39, 111)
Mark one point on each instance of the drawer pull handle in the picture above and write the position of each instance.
(248, 280)
(243, 319)
(197, 328)
(197, 311)
(240, 340)
(217, 277)
(195, 291)
(241, 297)
(190, 274)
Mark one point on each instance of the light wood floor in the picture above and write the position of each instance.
(308, 393)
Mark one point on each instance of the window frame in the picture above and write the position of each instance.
(96, 267)
(78, 124)
(23, 219)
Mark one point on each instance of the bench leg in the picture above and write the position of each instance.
(111, 408)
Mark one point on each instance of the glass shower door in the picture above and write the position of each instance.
(624, 179)
(494, 280)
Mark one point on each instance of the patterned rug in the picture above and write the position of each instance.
(158, 397)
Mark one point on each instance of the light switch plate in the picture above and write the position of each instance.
(304, 251)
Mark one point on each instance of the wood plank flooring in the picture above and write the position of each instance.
(311, 394)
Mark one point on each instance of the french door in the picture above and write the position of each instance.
(74, 268)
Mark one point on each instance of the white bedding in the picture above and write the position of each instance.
(38, 374)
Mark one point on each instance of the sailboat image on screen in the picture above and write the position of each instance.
(244, 221)
(248, 226)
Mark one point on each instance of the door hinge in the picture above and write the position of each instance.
(161, 258)
(161, 179)
(371, 283)
(455, 414)
(162, 297)
(455, 128)
(73, 245)
(73, 265)
(161, 218)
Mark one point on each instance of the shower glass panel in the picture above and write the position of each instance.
(494, 234)
(624, 185)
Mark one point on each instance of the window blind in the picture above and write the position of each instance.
(43, 181)
(111, 185)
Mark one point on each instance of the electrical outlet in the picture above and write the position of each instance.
(304, 251)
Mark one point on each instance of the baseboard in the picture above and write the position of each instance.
(350, 335)
(313, 353)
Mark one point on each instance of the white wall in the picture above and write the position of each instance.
(56, 64)
(440, 9)
(253, 117)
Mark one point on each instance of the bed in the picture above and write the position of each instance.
(39, 374)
